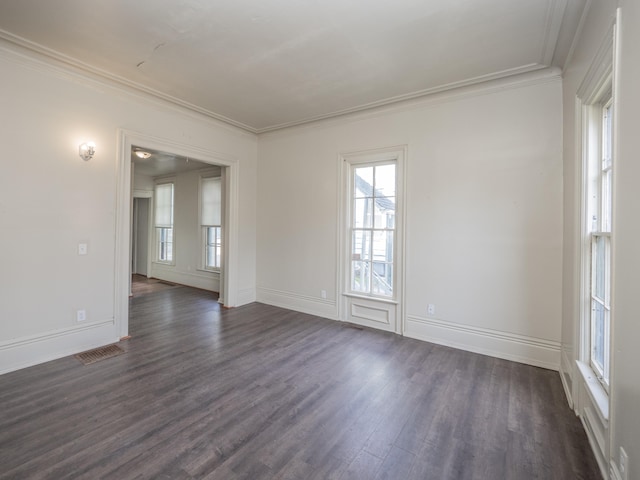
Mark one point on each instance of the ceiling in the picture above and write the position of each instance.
(263, 65)
(160, 163)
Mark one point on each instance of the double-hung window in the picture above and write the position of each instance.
(600, 171)
(164, 222)
(211, 221)
(373, 229)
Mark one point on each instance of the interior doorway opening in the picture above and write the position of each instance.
(173, 248)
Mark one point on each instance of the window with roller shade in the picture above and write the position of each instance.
(163, 220)
(211, 222)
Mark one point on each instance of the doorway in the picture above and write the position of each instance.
(140, 227)
(126, 215)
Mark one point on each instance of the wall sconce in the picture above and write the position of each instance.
(87, 150)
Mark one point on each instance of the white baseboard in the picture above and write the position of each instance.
(28, 351)
(566, 375)
(245, 296)
(202, 280)
(519, 348)
(301, 303)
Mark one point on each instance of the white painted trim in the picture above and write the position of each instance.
(597, 394)
(126, 139)
(577, 38)
(32, 350)
(56, 60)
(566, 371)
(519, 348)
(424, 100)
(399, 155)
(96, 74)
(614, 471)
(599, 70)
(320, 307)
(246, 296)
(553, 23)
(198, 279)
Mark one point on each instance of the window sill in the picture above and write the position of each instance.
(596, 391)
(209, 270)
(166, 264)
(367, 297)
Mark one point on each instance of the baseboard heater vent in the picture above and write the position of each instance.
(97, 354)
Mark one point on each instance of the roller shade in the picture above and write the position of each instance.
(164, 205)
(211, 208)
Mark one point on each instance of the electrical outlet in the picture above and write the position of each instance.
(82, 249)
(323, 293)
(81, 315)
(624, 464)
(431, 309)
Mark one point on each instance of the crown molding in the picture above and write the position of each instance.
(535, 77)
(52, 59)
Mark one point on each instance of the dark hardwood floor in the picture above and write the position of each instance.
(141, 285)
(259, 392)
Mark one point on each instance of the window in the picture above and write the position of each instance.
(599, 189)
(373, 229)
(164, 222)
(210, 221)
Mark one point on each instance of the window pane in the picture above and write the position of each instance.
(361, 245)
(598, 334)
(213, 247)
(382, 279)
(606, 201)
(360, 276)
(599, 267)
(211, 256)
(385, 212)
(363, 182)
(363, 213)
(385, 181)
(383, 246)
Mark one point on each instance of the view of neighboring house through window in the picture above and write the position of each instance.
(164, 222)
(210, 221)
(373, 229)
(600, 208)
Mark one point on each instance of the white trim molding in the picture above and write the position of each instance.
(320, 307)
(518, 348)
(27, 351)
(126, 139)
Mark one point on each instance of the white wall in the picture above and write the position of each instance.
(50, 200)
(626, 324)
(484, 215)
(187, 268)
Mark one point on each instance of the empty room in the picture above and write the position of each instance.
(319, 240)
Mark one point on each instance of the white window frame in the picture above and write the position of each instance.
(204, 240)
(157, 229)
(381, 312)
(599, 165)
(594, 95)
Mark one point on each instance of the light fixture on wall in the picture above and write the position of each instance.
(87, 150)
(142, 154)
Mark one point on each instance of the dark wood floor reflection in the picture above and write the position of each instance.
(141, 285)
(259, 392)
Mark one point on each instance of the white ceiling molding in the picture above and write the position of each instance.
(262, 67)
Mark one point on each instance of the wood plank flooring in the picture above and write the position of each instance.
(258, 392)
